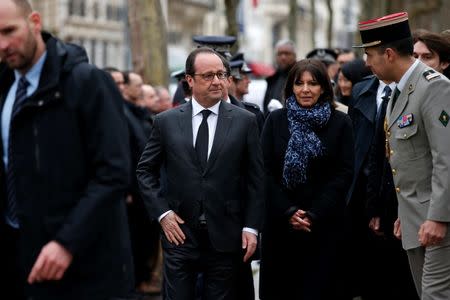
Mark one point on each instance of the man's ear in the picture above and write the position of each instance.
(189, 80)
(35, 21)
(390, 54)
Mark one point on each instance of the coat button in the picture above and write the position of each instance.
(57, 95)
(388, 133)
(391, 152)
(397, 189)
(394, 172)
(40, 102)
(404, 135)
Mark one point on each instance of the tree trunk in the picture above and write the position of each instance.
(148, 40)
(292, 21)
(232, 28)
(330, 24)
(313, 23)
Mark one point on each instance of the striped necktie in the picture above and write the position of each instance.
(11, 210)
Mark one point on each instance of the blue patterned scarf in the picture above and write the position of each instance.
(304, 144)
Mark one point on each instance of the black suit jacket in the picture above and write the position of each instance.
(230, 187)
(362, 111)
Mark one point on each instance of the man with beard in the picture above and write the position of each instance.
(64, 168)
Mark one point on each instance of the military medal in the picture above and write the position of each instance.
(405, 120)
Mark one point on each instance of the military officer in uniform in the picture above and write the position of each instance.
(239, 86)
(418, 145)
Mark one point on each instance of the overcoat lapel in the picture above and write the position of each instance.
(366, 105)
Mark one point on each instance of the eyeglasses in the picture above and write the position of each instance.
(210, 76)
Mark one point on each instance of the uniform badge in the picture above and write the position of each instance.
(405, 120)
(430, 74)
(444, 118)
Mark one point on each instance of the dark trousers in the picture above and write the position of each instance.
(11, 281)
(144, 236)
(183, 263)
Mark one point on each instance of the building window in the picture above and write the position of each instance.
(105, 53)
(95, 9)
(77, 8)
(93, 51)
(111, 12)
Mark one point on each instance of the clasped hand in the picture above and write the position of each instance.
(300, 221)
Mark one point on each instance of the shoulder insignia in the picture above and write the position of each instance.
(444, 118)
(430, 74)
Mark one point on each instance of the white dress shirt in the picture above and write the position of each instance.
(380, 93)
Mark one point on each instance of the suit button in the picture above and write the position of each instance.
(391, 152)
(394, 172)
(397, 189)
(389, 133)
(404, 135)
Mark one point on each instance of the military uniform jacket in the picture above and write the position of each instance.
(419, 140)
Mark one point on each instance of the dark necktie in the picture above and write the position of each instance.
(11, 213)
(395, 97)
(201, 143)
(382, 111)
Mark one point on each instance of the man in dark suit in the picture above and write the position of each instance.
(64, 168)
(363, 107)
(211, 207)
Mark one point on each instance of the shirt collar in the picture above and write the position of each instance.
(383, 85)
(401, 84)
(197, 108)
(34, 74)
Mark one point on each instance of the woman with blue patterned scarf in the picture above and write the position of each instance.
(308, 156)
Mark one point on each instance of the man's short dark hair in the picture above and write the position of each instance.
(435, 43)
(24, 6)
(126, 77)
(111, 69)
(403, 47)
(190, 61)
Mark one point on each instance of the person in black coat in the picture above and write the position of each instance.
(308, 156)
(66, 233)
(285, 58)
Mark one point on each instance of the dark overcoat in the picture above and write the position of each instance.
(311, 256)
(71, 160)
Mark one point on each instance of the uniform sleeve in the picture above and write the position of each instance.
(436, 111)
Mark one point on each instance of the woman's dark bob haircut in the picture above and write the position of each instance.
(318, 72)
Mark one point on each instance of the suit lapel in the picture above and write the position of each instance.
(185, 123)
(223, 126)
(403, 98)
